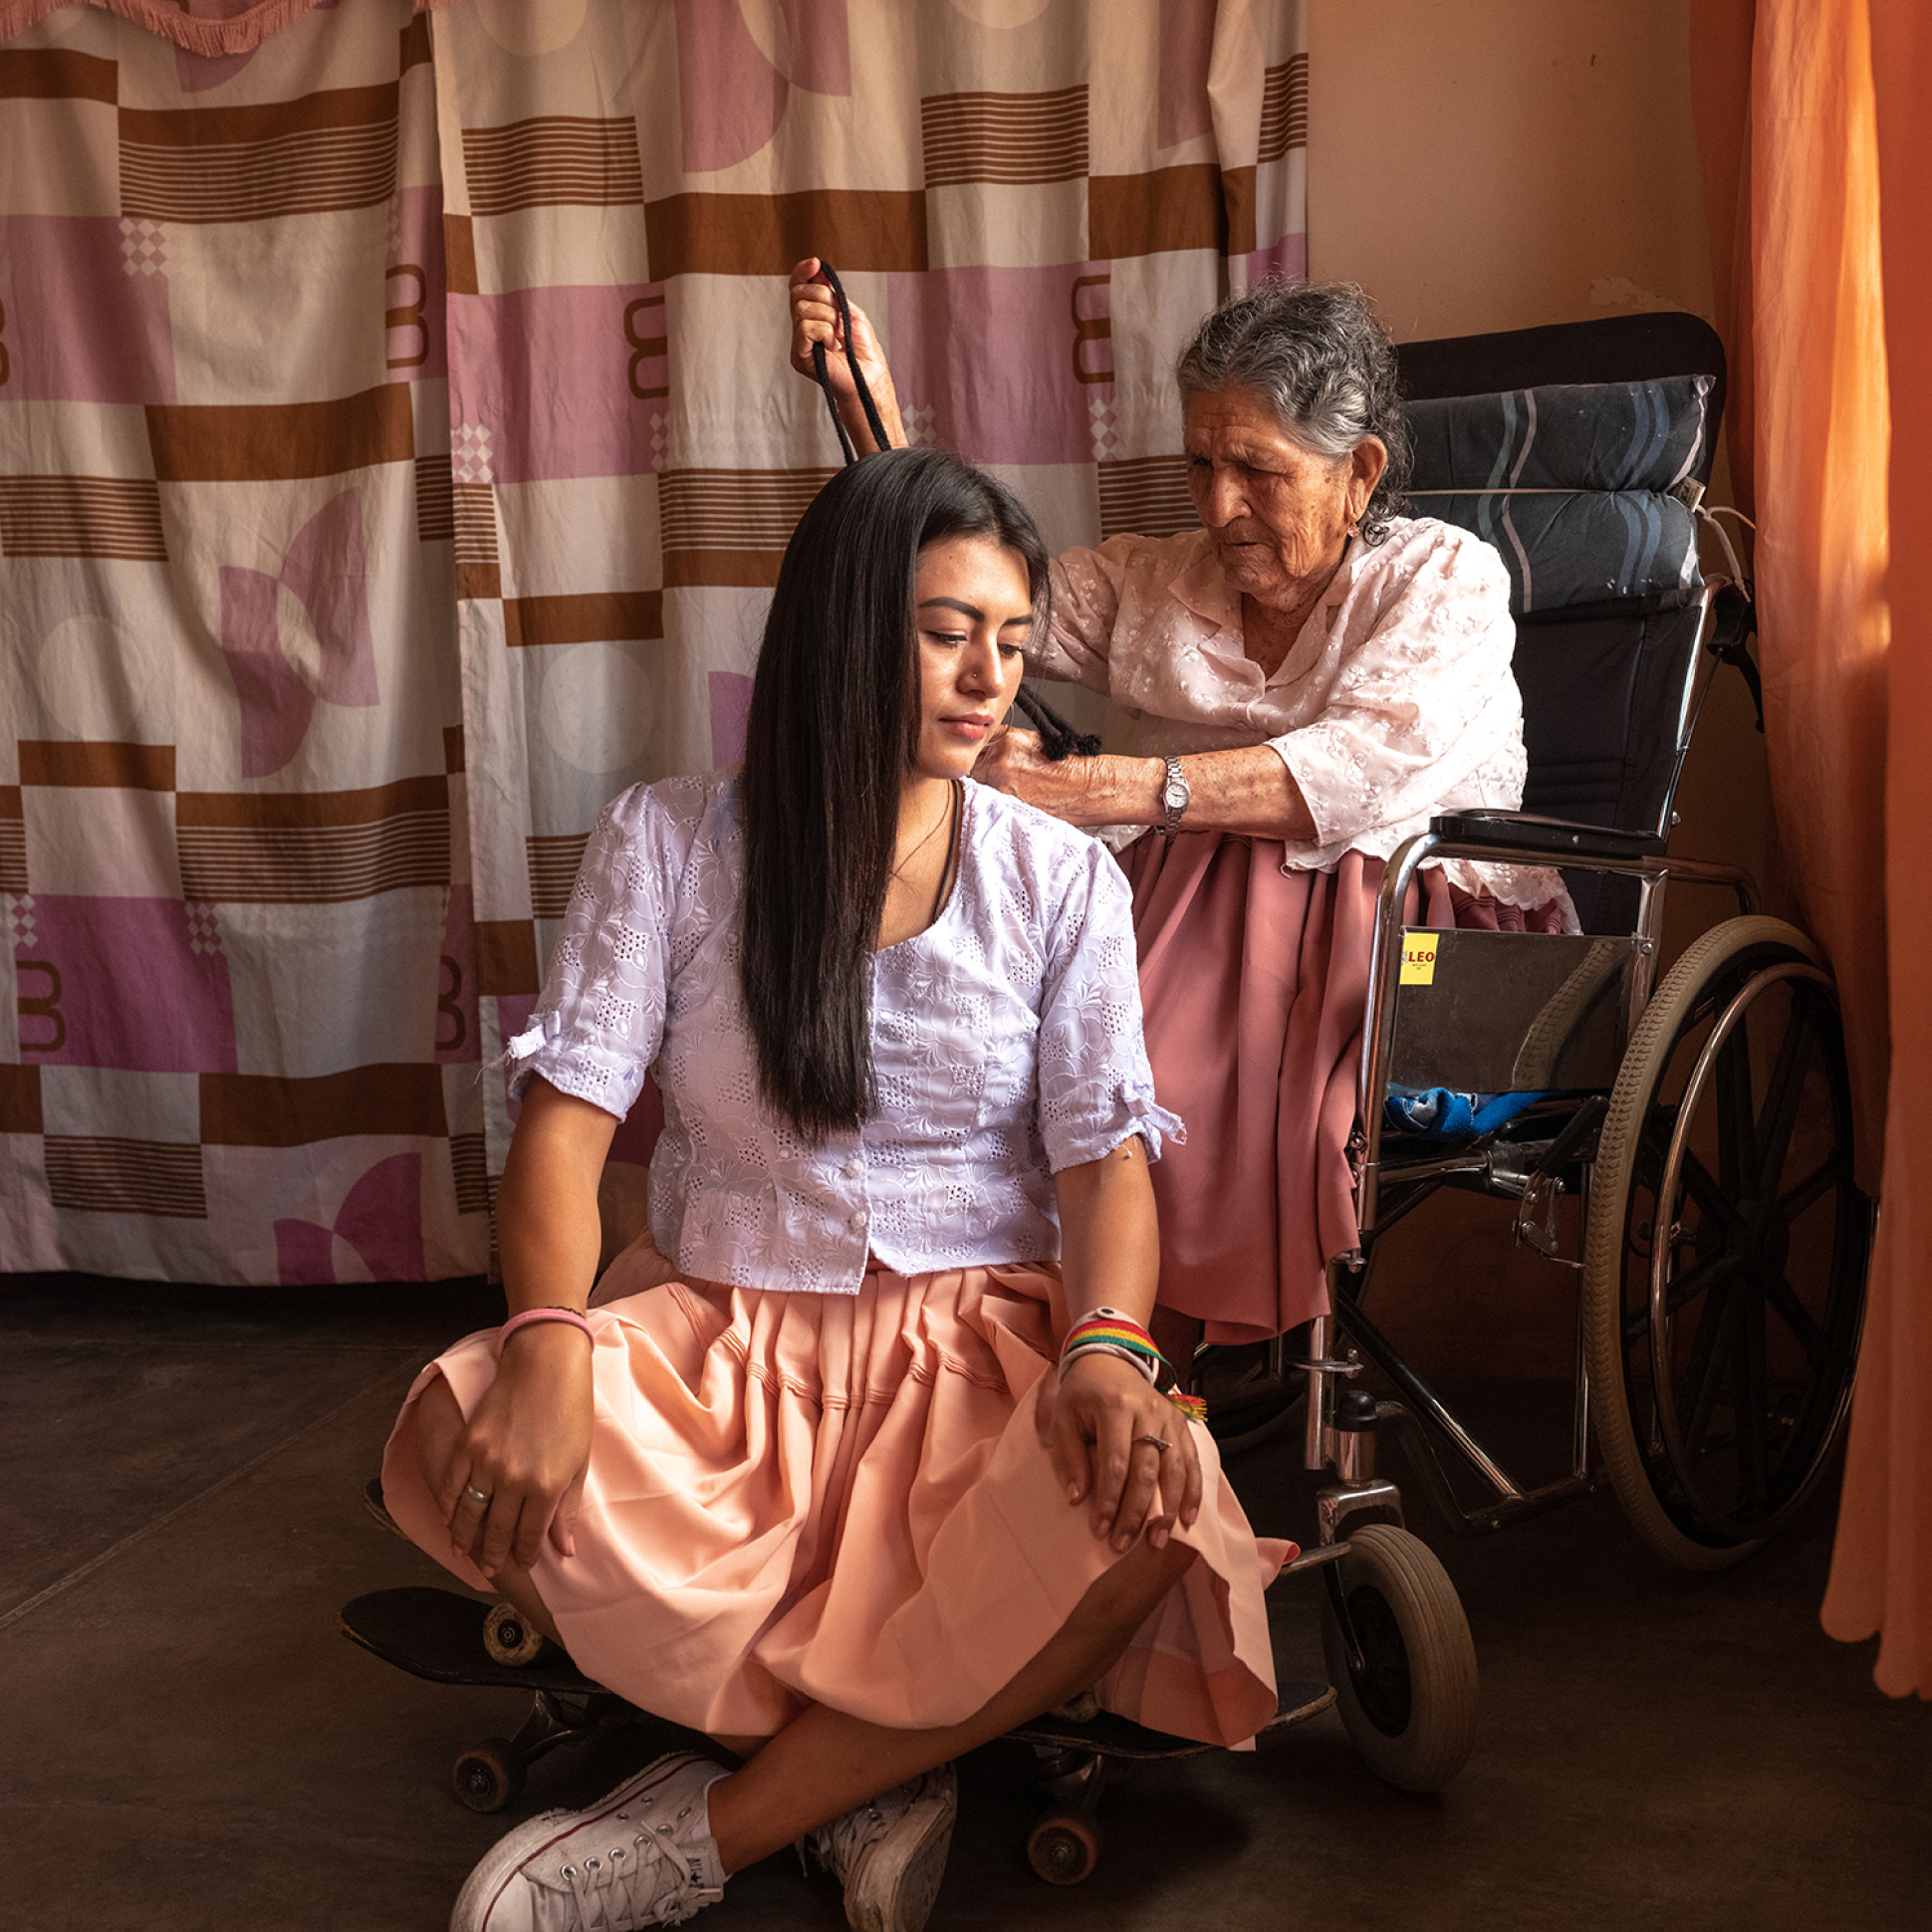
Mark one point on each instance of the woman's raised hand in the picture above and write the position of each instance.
(1101, 1427)
(815, 319)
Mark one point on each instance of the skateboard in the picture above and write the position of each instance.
(450, 1639)
(1081, 1751)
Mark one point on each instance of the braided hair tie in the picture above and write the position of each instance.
(1057, 738)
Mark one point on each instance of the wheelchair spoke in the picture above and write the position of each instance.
(1782, 1092)
(1708, 1352)
(1750, 1401)
(1737, 1127)
(1681, 1292)
(1780, 1295)
(1695, 1280)
(1705, 1191)
(1791, 1205)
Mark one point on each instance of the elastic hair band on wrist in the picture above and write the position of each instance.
(1134, 1358)
(516, 1321)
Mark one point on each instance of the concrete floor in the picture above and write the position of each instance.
(191, 1745)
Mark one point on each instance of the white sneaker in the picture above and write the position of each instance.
(645, 1856)
(891, 1855)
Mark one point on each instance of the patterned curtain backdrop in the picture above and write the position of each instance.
(396, 449)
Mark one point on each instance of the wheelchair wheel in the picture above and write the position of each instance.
(1409, 1703)
(1724, 1264)
(1253, 1395)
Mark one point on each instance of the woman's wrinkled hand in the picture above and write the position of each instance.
(1099, 1422)
(1011, 761)
(524, 1448)
(815, 319)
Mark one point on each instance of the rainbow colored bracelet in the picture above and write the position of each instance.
(1108, 1331)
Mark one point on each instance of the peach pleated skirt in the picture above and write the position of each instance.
(800, 1498)
(1253, 984)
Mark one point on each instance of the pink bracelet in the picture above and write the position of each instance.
(517, 1321)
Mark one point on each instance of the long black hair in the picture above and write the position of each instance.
(834, 725)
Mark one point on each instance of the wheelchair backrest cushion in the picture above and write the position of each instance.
(1603, 711)
(1572, 484)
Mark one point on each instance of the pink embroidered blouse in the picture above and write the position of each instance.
(1395, 702)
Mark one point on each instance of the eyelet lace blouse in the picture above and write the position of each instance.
(1006, 1041)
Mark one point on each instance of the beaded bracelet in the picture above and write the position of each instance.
(529, 1316)
(1111, 1333)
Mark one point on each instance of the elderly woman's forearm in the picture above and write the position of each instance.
(1248, 790)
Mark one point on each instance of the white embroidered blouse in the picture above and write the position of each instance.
(1395, 702)
(1006, 1041)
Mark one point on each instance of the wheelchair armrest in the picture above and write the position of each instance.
(1560, 839)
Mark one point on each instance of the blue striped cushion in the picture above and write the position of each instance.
(1571, 484)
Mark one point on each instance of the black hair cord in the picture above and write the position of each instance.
(1057, 738)
(824, 374)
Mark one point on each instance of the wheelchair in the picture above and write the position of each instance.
(1702, 1121)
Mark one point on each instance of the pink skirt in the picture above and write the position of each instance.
(797, 1499)
(1253, 986)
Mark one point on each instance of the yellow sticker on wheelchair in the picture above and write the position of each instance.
(1418, 959)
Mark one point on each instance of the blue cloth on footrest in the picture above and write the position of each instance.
(1453, 1116)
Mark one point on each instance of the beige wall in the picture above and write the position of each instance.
(1483, 164)
(1495, 163)
(1487, 165)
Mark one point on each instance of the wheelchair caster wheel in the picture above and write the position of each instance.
(509, 1638)
(1063, 1851)
(1407, 1689)
(488, 1776)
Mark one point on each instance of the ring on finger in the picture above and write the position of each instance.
(1159, 1443)
(477, 1495)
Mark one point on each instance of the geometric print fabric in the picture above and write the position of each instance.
(396, 449)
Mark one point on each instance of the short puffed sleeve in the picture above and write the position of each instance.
(599, 1023)
(1096, 1086)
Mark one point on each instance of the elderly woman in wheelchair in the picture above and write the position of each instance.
(865, 1458)
(1310, 677)
(1335, 711)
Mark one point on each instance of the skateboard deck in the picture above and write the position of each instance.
(437, 1634)
(1119, 1737)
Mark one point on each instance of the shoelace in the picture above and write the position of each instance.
(612, 1893)
(852, 1831)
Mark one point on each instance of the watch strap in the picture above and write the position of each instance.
(1174, 796)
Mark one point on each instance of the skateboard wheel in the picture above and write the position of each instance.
(488, 1776)
(1063, 1851)
(509, 1637)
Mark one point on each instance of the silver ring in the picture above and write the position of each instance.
(476, 1495)
(1154, 1442)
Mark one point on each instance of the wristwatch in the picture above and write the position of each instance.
(1174, 796)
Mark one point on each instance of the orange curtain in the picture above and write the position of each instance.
(1822, 436)
(1816, 164)
(1881, 1570)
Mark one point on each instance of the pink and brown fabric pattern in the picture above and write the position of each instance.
(395, 454)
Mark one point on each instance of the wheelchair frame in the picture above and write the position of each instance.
(1532, 1169)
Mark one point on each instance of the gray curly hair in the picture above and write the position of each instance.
(1318, 353)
